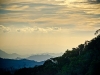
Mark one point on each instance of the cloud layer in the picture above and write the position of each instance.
(47, 25)
(50, 13)
(38, 29)
(4, 29)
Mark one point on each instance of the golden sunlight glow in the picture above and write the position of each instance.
(46, 26)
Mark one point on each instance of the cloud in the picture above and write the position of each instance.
(4, 29)
(44, 15)
(93, 1)
(56, 2)
(16, 7)
(18, 30)
(25, 29)
(38, 29)
(31, 1)
(14, 1)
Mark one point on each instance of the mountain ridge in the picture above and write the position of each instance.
(3, 54)
(17, 64)
(36, 57)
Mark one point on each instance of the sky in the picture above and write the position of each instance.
(46, 26)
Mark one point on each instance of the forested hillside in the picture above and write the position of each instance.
(82, 60)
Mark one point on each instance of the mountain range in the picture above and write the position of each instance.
(81, 60)
(39, 57)
(16, 61)
(35, 57)
(17, 64)
(9, 56)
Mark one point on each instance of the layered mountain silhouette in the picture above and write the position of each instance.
(17, 64)
(39, 57)
(82, 60)
(6, 55)
(35, 57)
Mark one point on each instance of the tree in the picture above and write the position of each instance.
(97, 31)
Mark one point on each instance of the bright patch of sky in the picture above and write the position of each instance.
(48, 26)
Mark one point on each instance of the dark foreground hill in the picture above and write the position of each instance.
(17, 64)
(82, 60)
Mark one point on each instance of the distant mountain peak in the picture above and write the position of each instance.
(3, 54)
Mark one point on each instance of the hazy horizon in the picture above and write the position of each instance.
(56, 54)
(48, 26)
